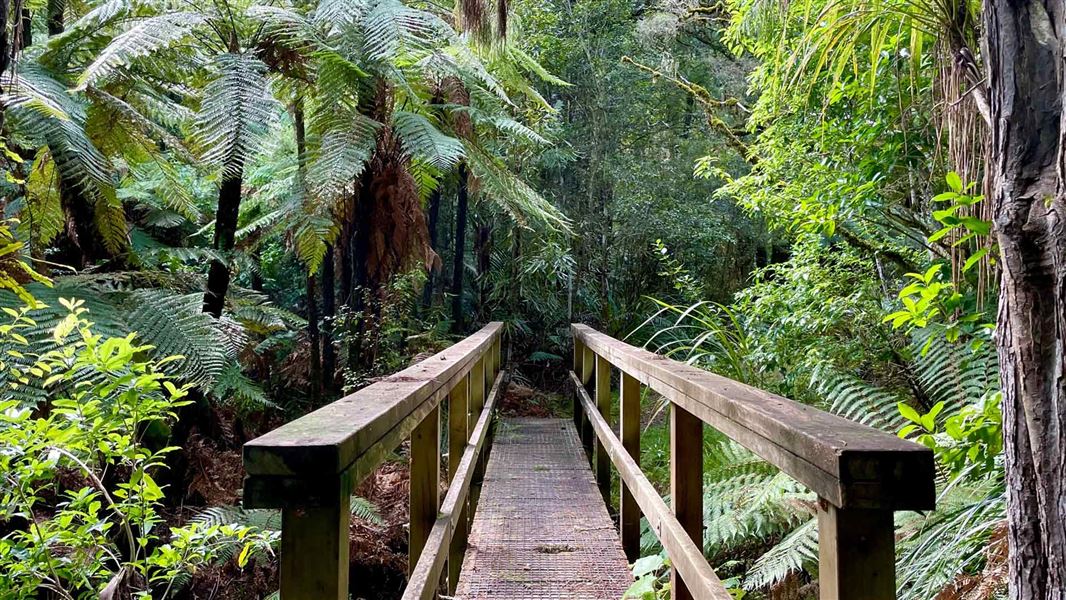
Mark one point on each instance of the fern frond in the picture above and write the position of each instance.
(797, 552)
(421, 138)
(237, 112)
(144, 38)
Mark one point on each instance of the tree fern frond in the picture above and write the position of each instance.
(144, 38)
(390, 27)
(513, 195)
(797, 552)
(851, 397)
(237, 111)
(422, 139)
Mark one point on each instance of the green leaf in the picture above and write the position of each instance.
(909, 413)
(974, 259)
(954, 181)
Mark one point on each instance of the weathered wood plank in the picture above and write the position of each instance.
(458, 413)
(603, 404)
(856, 554)
(314, 548)
(686, 484)
(629, 430)
(849, 464)
(685, 555)
(427, 572)
(330, 439)
(424, 497)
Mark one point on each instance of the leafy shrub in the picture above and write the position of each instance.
(79, 499)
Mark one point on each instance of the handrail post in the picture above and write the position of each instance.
(603, 404)
(425, 483)
(856, 553)
(458, 436)
(686, 483)
(477, 403)
(629, 432)
(314, 547)
(579, 355)
(588, 367)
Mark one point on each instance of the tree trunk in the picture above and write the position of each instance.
(229, 204)
(434, 217)
(56, 8)
(329, 311)
(483, 252)
(314, 371)
(461, 208)
(1024, 49)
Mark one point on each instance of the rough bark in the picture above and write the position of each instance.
(314, 370)
(229, 204)
(434, 218)
(329, 311)
(483, 252)
(1024, 50)
(461, 209)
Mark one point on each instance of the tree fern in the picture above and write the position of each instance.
(422, 139)
(237, 111)
(146, 37)
(797, 552)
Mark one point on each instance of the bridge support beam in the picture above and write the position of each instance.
(686, 483)
(314, 547)
(425, 483)
(856, 554)
(603, 404)
(458, 434)
(629, 432)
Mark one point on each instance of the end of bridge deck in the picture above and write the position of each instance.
(541, 530)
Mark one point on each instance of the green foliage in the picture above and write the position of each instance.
(99, 536)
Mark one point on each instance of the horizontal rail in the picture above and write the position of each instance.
(685, 555)
(848, 464)
(427, 572)
(356, 433)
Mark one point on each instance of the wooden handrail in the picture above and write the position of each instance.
(860, 474)
(309, 467)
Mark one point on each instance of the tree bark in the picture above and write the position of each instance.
(229, 204)
(461, 209)
(434, 218)
(483, 252)
(314, 371)
(1023, 51)
(329, 311)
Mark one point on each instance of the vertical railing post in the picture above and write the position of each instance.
(629, 431)
(686, 483)
(856, 554)
(588, 366)
(314, 547)
(579, 355)
(425, 483)
(458, 435)
(477, 403)
(603, 404)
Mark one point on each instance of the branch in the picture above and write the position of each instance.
(708, 102)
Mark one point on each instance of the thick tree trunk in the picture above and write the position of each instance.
(229, 205)
(56, 8)
(461, 209)
(329, 311)
(1024, 52)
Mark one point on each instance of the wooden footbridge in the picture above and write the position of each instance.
(524, 516)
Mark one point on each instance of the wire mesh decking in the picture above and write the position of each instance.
(541, 530)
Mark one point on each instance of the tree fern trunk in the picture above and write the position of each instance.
(329, 311)
(434, 218)
(314, 371)
(1026, 90)
(229, 204)
(483, 251)
(461, 207)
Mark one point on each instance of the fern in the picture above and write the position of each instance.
(237, 111)
(797, 552)
(422, 139)
(146, 37)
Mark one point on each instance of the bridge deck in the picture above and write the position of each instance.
(541, 530)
